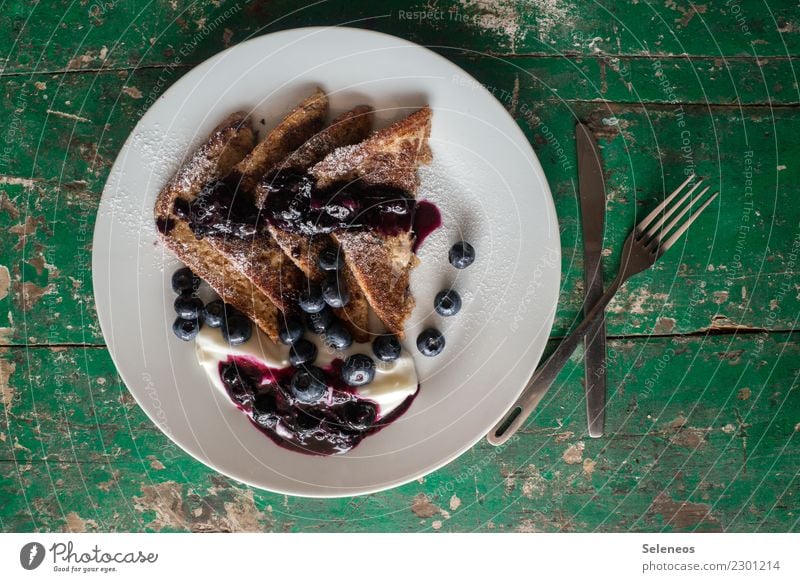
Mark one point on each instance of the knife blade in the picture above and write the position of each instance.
(592, 194)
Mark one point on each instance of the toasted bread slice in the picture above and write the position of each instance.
(261, 260)
(351, 127)
(303, 122)
(382, 264)
(259, 257)
(381, 267)
(227, 145)
(389, 158)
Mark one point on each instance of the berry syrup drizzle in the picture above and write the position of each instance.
(427, 219)
(334, 425)
(295, 204)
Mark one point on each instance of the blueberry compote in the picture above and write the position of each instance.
(296, 204)
(335, 424)
(427, 218)
(220, 209)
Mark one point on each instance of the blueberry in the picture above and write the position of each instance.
(188, 307)
(319, 322)
(386, 348)
(265, 409)
(185, 282)
(334, 291)
(302, 352)
(430, 342)
(237, 329)
(311, 300)
(215, 313)
(358, 370)
(359, 415)
(308, 385)
(291, 329)
(240, 387)
(447, 303)
(338, 336)
(461, 255)
(330, 259)
(186, 329)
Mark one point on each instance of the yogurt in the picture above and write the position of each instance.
(390, 393)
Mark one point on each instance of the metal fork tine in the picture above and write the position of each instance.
(670, 211)
(667, 229)
(645, 222)
(671, 240)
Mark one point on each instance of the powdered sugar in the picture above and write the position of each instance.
(161, 151)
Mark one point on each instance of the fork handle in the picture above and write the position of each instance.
(546, 374)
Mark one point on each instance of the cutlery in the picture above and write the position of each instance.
(592, 193)
(648, 241)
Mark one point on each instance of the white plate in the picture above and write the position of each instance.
(485, 179)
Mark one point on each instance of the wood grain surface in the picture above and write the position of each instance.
(704, 404)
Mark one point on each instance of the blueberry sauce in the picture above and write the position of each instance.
(427, 218)
(296, 204)
(219, 209)
(332, 426)
(181, 208)
(164, 225)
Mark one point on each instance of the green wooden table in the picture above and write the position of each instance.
(704, 407)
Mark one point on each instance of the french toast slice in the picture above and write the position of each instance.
(349, 128)
(390, 157)
(259, 257)
(225, 147)
(380, 263)
(300, 125)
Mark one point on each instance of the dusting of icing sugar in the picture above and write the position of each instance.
(476, 205)
(154, 154)
(340, 161)
(162, 151)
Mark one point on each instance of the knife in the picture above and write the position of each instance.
(592, 195)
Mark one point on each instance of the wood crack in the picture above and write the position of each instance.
(448, 50)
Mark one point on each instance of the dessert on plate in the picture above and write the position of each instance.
(305, 234)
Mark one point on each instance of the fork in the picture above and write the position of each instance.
(648, 241)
